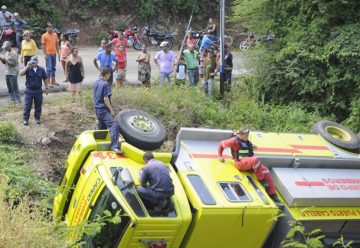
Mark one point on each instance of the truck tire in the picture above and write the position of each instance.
(338, 135)
(141, 129)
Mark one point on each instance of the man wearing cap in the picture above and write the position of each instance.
(19, 26)
(106, 60)
(5, 17)
(33, 92)
(192, 64)
(165, 60)
(10, 60)
(50, 44)
(242, 151)
(103, 108)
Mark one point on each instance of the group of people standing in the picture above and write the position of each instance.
(35, 74)
(113, 56)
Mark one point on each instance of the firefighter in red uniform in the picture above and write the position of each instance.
(243, 155)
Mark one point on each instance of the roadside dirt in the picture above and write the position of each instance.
(51, 141)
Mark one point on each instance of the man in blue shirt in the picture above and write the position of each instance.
(106, 59)
(160, 183)
(19, 26)
(33, 92)
(103, 109)
(206, 42)
(5, 18)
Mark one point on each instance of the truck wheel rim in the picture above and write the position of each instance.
(338, 133)
(142, 124)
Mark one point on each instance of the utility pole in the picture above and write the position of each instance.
(222, 32)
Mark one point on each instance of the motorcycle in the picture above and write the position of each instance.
(253, 38)
(199, 34)
(131, 34)
(72, 34)
(7, 34)
(134, 39)
(155, 37)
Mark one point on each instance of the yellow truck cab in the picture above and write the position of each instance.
(214, 204)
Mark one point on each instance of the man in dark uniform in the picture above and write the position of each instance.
(103, 108)
(33, 92)
(242, 151)
(160, 183)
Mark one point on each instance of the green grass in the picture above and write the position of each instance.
(189, 107)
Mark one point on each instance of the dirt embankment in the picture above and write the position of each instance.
(53, 138)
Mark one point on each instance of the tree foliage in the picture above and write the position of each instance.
(36, 12)
(316, 58)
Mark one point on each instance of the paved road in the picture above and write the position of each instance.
(91, 74)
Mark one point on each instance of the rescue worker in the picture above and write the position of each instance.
(33, 92)
(242, 151)
(103, 108)
(160, 183)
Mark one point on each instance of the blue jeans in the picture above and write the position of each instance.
(209, 86)
(31, 97)
(13, 88)
(18, 41)
(106, 121)
(151, 196)
(193, 76)
(163, 76)
(51, 65)
(227, 78)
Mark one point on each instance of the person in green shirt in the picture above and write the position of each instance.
(209, 73)
(192, 64)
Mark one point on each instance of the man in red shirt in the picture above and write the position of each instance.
(120, 73)
(120, 40)
(243, 155)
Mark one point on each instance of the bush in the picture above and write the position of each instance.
(102, 36)
(314, 59)
(7, 132)
(23, 225)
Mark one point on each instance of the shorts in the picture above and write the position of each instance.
(75, 87)
(120, 74)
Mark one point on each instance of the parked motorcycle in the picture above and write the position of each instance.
(134, 39)
(72, 34)
(252, 38)
(131, 34)
(199, 34)
(7, 34)
(155, 37)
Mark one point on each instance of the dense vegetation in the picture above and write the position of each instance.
(36, 12)
(316, 58)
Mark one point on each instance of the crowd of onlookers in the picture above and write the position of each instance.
(193, 64)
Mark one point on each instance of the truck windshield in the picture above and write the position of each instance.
(110, 234)
(129, 193)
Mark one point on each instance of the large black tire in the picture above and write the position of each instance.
(139, 43)
(171, 43)
(337, 135)
(141, 129)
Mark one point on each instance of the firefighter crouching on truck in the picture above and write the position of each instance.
(244, 159)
